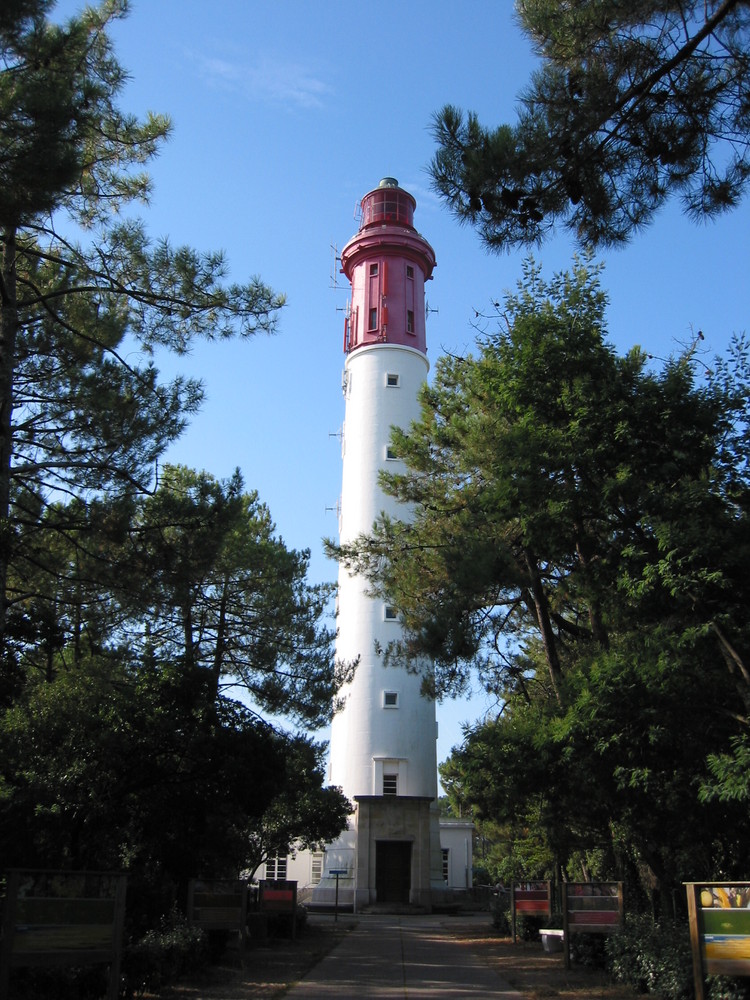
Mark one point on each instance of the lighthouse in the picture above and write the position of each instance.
(383, 740)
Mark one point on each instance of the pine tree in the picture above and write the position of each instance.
(82, 284)
(634, 101)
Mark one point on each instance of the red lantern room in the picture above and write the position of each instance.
(387, 263)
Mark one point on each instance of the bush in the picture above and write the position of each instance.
(653, 957)
(727, 988)
(162, 955)
(589, 950)
(500, 912)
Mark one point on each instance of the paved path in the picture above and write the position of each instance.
(404, 957)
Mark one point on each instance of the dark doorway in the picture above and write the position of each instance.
(392, 870)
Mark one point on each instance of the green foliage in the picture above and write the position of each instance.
(303, 814)
(201, 566)
(131, 597)
(653, 957)
(632, 103)
(500, 912)
(162, 955)
(727, 988)
(87, 296)
(729, 779)
(109, 768)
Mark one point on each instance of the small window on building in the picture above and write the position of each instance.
(410, 321)
(390, 784)
(391, 380)
(390, 454)
(409, 271)
(390, 699)
(445, 851)
(276, 868)
(373, 319)
(316, 867)
(373, 269)
(390, 614)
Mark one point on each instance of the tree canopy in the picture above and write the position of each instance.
(135, 597)
(87, 293)
(634, 102)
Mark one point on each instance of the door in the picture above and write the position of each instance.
(392, 870)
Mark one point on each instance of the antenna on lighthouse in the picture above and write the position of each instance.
(335, 266)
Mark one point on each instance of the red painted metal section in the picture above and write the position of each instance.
(387, 263)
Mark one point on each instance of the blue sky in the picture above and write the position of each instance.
(285, 113)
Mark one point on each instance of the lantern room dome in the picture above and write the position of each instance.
(387, 205)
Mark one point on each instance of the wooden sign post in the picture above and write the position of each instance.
(218, 905)
(719, 914)
(529, 899)
(279, 896)
(58, 918)
(591, 908)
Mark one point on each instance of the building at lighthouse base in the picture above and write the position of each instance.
(382, 853)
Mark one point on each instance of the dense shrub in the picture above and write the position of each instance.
(727, 988)
(162, 955)
(653, 957)
(500, 912)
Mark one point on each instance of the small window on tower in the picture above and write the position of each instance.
(391, 380)
(409, 271)
(390, 784)
(390, 699)
(373, 269)
(390, 454)
(410, 321)
(373, 319)
(390, 613)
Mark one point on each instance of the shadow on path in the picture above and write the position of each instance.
(404, 957)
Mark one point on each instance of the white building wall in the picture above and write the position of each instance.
(456, 836)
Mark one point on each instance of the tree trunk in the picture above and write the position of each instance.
(544, 623)
(8, 332)
(221, 638)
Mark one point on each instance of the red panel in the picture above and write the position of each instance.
(594, 917)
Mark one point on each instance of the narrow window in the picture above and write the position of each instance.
(390, 784)
(409, 271)
(373, 269)
(316, 869)
(373, 319)
(410, 321)
(390, 699)
(391, 380)
(446, 854)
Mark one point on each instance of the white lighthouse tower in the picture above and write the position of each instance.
(383, 741)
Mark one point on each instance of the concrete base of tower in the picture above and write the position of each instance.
(394, 851)
(388, 856)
